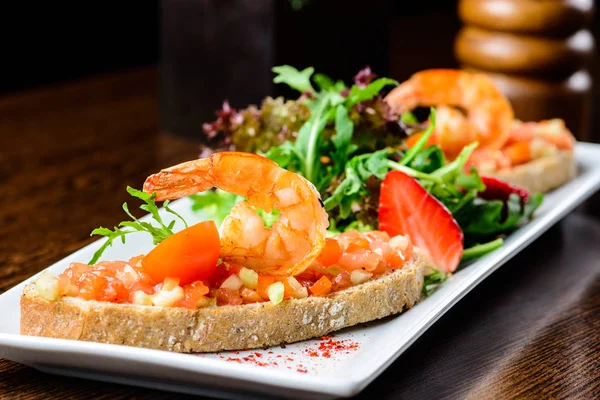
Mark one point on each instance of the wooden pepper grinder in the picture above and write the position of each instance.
(537, 52)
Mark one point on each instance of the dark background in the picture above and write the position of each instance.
(46, 44)
(211, 50)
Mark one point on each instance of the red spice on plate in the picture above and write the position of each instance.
(326, 347)
(329, 346)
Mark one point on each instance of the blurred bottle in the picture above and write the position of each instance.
(538, 52)
(212, 50)
(216, 50)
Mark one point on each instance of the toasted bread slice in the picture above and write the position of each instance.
(543, 174)
(224, 327)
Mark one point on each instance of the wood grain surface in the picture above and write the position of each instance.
(530, 330)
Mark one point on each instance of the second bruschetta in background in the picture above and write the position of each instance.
(535, 155)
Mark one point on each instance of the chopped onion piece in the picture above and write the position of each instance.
(299, 291)
(142, 299)
(128, 275)
(275, 292)
(233, 282)
(170, 283)
(47, 286)
(302, 293)
(399, 242)
(168, 298)
(359, 276)
(249, 278)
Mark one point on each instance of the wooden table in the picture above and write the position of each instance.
(530, 330)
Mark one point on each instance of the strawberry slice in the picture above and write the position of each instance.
(496, 189)
(406, 208)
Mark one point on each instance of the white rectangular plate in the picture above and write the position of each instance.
(301, 370)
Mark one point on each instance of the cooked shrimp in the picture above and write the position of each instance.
(292, 242)
(488, 112)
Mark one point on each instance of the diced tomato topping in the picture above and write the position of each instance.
(76, 270)
(330, 253)
(518, 153)
(395, 260)
(321, 287)
(359, 258)
(306, 282)
(119, 281)
(229, 297)
(357, 243)
(288, 289)
(136, 261)
(63, 284)
(377, 236)
(264, 281)
(413, 139)
(221, 273)
(341, 281)
(194, 294)
(114, 291)
(250, 296)
(91, 286)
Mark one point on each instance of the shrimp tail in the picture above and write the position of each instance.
(181, 180)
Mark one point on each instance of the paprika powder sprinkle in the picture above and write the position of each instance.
(327, 346)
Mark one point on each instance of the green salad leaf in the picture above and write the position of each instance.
(345, 139)
(215, 204)
(484, 218)
(482, 249)
(433, 278)
(299, 80)
(358, 94)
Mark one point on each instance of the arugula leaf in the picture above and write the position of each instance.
(534, 202)
(308, 141)
(325, 83)
(286, 156)
(483, 218)
(112, 235)
(470, 182)
(349, 191)
(376, 163)
(428, 160)
(479, 250)
(158, 233)
(409, 118)
(412, 152)
(451, 171)
(342, 139)
(343, 128)
(299, 80)
(358, 94)
(432, 281)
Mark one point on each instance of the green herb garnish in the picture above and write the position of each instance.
(158, 232)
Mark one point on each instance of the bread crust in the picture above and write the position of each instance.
(544, 174)
(225, 327)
